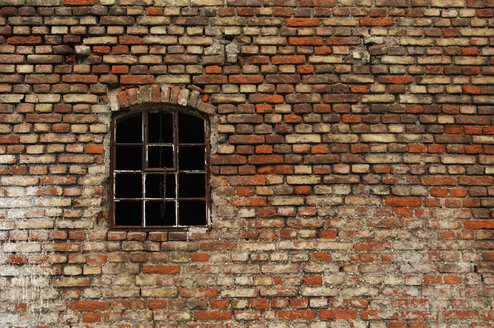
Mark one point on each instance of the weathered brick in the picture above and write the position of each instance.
(376, 21)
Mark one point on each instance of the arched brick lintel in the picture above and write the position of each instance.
(162, 94)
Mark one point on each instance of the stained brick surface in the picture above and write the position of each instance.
(352, 163)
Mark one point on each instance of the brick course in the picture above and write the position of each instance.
(352, 162)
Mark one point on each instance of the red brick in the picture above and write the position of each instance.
(17, 259)
(403, 201)
(252, 79)
(484, 12)
(313, 280)
(305, 69)
(322, 50)
(24, 40)
(438, 181)
(129, 39)
(246, 11)
(89, 305)
(376, 21)
(213, 69)
(296, 314)
(136, 79)
(94, 149)
(79, 2)
(10, 139)
(199, 257)
(154, 11)
(265, 159)
(477, 225)
(318, 3)
(359, 89)
(91, 317)
(288, 59)
(161, 269)
(338, 314)
(212, 315)
(80, 78)
(306, 41)
(395, 79)
(476, 180)
(299, 22)
(351, 118)
(323, 257)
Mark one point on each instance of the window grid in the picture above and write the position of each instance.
(188, 203)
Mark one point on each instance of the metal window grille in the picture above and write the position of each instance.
(160, 170)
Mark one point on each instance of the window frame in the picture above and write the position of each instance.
(145, 169)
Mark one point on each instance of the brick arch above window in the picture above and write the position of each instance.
(155, 94)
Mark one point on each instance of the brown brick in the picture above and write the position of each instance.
(338, 314)
(212, 315)
(306, 41)
(24, 40)
(136, 79)
(89, 305)
(161, 269)
(298, 22)
(376, 21)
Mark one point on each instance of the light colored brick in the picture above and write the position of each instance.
(80, 98)
(378, 98)
(303, 138)
(104, 40)
(379, 138)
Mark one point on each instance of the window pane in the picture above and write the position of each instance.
(160, 157)
(160, 213)
(171, 186)
(191, 158)
(191, 185)
(192, 212)
(128, 158)
(128, 185)
(191, 129)
(128, 213)
(160, 128)
(155, 185)
(129, 129)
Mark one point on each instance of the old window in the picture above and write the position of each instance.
(159, 170)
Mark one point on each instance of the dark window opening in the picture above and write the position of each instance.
(191, 213)
(130, 130)
(191, 185)
(160, 170)
(128, 213)
(160, 156)
(188, 123)
(128, 158)
(160, 128)
(160, 213)
(191, 157)
(128, 185)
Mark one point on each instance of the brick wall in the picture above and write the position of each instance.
(351, 169)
